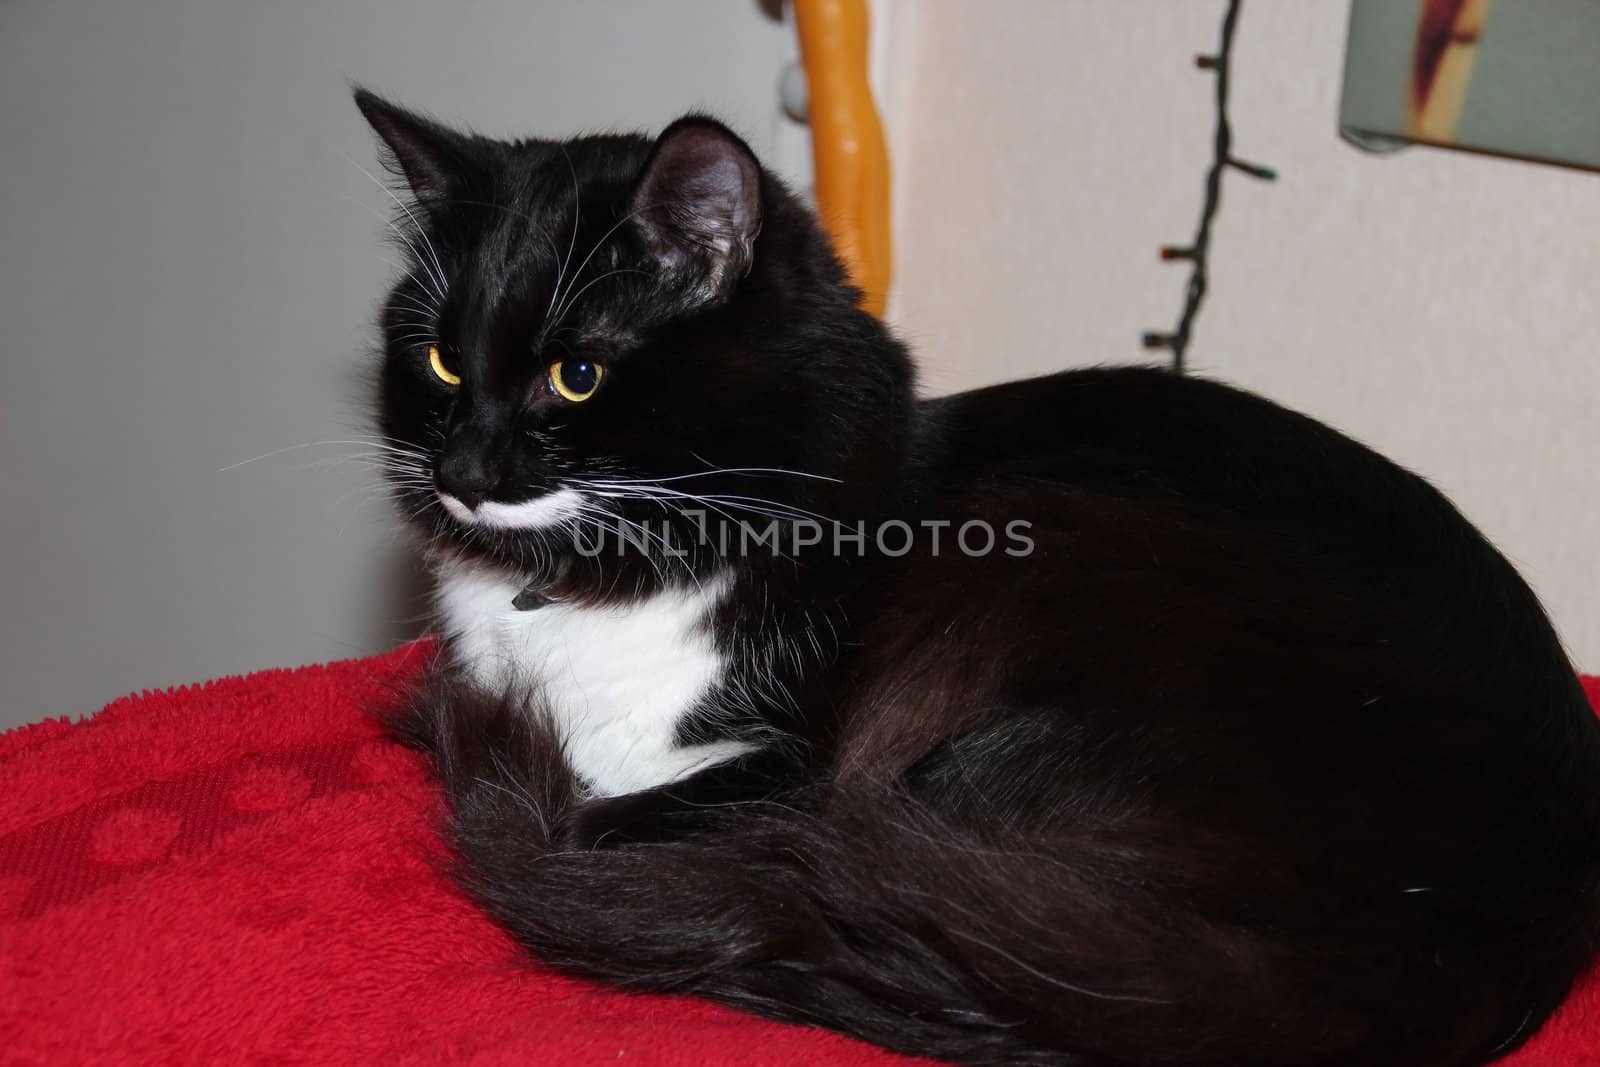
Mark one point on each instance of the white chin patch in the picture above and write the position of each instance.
(532, 514)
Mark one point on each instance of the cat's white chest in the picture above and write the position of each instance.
(618, 680)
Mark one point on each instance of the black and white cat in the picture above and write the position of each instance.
(1110, 717)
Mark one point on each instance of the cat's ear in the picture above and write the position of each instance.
(433, 160)
(698, 203)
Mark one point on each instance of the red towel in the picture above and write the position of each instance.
(248, 871)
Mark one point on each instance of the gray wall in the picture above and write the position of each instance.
(187, 282)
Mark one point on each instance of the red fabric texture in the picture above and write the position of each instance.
(249, 871)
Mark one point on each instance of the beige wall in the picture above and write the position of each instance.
(1442, 307)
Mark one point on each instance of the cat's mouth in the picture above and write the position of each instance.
(548, 509)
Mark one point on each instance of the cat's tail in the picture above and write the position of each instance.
(862, 910)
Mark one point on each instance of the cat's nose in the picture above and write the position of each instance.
(464, 476)
(469, 498)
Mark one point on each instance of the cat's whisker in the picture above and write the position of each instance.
(417, 511)
(405, 239)
(292, 448)
(422, 233)
(369, 492)
(758, 505)
(369, 462)
(563, 306)
(409, 301)
(772, 508)
(414, 324)
(435, 300)
(533, 228)
(416, 481)
(507, 208)
(566, 307)
(639, 493)
(572, 242)
(730, 470)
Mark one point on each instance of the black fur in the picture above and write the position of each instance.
(1261, 756)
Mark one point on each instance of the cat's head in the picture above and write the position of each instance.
(619, 326)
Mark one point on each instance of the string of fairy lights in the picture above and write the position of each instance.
(1195, 252)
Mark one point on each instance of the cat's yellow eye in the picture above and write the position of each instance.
(575, 379)
(440, 371)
